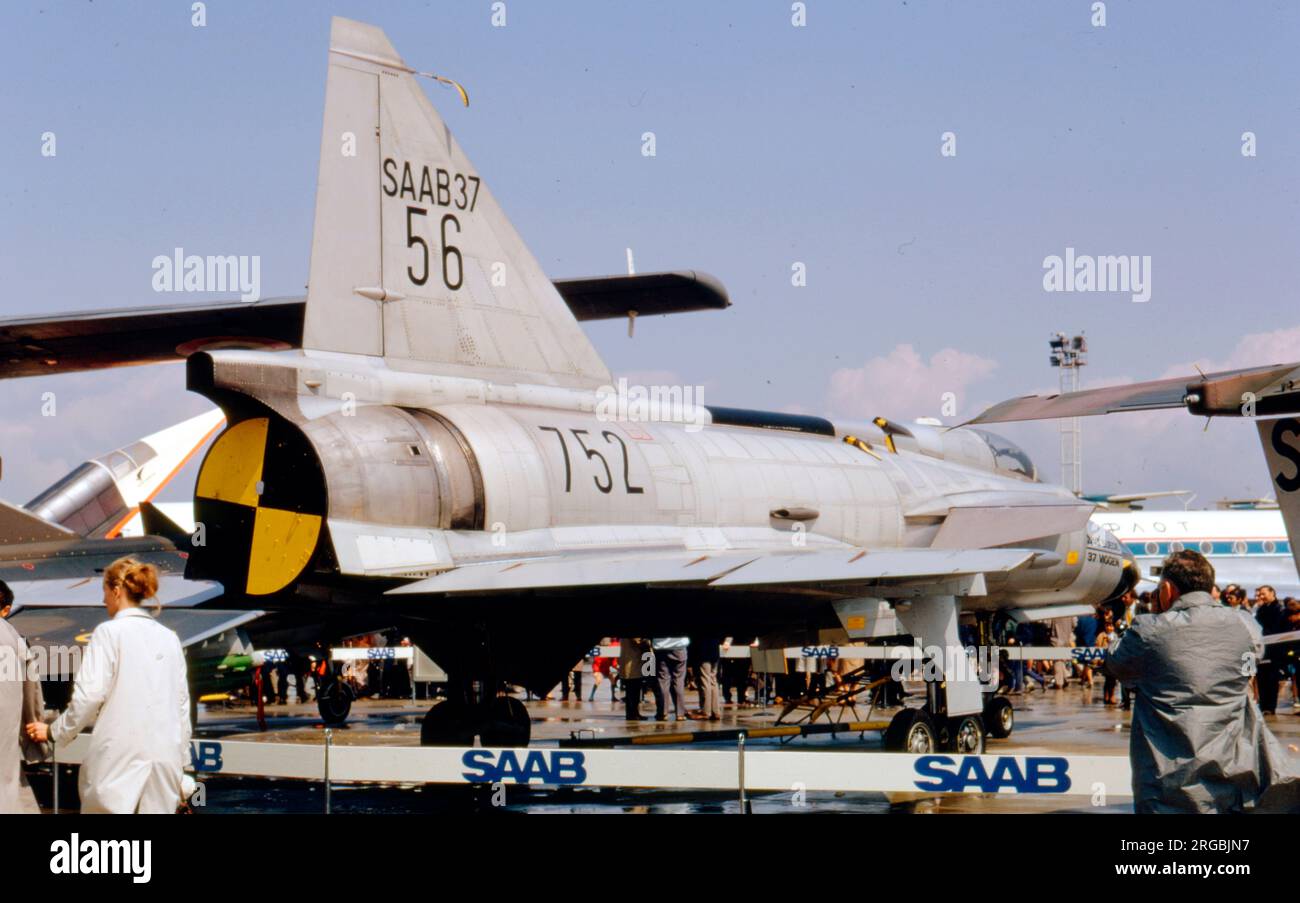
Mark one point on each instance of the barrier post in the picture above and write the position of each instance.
(740, 755)
(329, 736)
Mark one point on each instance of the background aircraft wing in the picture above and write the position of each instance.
(174, 591)
(1269, 390)
(1127, 501)
(98, 339)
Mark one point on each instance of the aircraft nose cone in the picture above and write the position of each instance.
(1131, 570)
(1130, 560)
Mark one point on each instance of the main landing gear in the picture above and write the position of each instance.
(474, 709)
(999, 717)
(918, 732)
(957, 715)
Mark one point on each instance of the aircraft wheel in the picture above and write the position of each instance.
(911, 731)
(965, 735)
(334, 702)
(447, 724)
(508, 723)
(1000, 717)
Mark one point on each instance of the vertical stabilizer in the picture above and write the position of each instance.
(412, 259)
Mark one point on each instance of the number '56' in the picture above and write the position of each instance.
(449, 251)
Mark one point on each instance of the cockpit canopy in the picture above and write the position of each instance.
(1007, 456)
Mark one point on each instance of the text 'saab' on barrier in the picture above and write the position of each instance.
(847, 652)
(668, 769)
(850, 653)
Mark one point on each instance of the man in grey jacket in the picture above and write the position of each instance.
(20, 703)
(1198, 742)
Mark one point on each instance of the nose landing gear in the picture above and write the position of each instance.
(955, 717)
(334, 700)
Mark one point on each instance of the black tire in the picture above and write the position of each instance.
(999, 717)
(508, 723)
(912, 731)
(447, 724)
(965, 735)
(334, 702)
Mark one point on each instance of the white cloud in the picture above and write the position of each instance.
(1258, 349)
(903, 385)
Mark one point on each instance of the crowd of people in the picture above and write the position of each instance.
(666, 671)
(662, 671)
(1278, 673)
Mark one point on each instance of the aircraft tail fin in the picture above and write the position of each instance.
(1281, 442)
(155, 522)
(412, 259)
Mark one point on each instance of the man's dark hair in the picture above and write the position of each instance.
(1188, 571)
(6, 595)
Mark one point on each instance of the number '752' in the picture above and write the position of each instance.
(607, 483)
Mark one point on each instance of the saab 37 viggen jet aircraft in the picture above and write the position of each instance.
(440, 454)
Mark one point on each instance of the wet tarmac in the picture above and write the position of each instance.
(1073, 721)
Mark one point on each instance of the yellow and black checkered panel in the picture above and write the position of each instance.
(261, 499)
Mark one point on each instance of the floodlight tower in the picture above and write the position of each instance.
(1069, 353)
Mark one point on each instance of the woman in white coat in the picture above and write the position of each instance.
(132, 684)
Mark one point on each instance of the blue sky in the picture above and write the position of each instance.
(775, 144)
